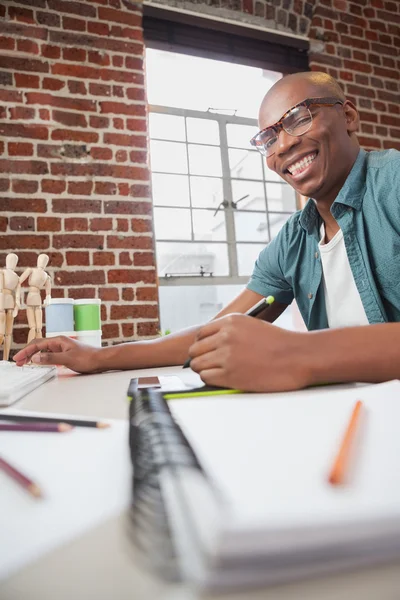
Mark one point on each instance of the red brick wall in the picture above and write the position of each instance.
(74, 181)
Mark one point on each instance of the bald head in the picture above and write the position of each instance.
(295, 88)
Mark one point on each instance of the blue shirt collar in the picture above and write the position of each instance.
(351, 194)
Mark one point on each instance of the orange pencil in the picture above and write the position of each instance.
(340, 465)
(20, 478)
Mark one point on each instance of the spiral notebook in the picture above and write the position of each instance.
(233, 491)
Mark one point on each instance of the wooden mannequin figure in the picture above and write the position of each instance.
(9, 303)
(38, 279)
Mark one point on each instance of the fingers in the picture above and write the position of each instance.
(49, 358)
(208, 360)
(214, 377)
(203, 346)
(57, 344)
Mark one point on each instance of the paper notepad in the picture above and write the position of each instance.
(262, 510)
(85, 476)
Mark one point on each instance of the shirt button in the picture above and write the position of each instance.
(310, 296)
(316, 255)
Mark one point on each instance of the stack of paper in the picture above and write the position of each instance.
(265, 511)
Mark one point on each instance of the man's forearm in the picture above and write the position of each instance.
(164, 351)
(370, 354)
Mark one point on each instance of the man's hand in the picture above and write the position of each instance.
(240, 352)
(59, 351)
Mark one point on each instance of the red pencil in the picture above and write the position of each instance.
(38, 427)
(20, 478)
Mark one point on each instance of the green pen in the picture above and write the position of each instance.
(205, 390)
(255, 310)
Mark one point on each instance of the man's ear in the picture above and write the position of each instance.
(351, 116)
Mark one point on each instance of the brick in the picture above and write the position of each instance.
(74, 54)
(70, 23)
(8, 96)
(80, 188)
(81, 259)
(368, 142)
(143, 259)
(82, 9)
(110, 331)
(6, 78)
(105, 188)
(4, 185)
(25, 31)
(101, 153)
(128, 294)
(79, 71)
(26, 81)
(82, 292)
(121, 156)
(136, 125)
(94, 41)
(119, 108)
(138, 311)
(98, 28)
(29, 167)
(3, 223)
(28, 46)
(99, 122)
(118, 123)
(127, 207)
(99, 170)
(76, 224)
(17, 13)
(122, 225)
(148, 329)
(81, 278)
(103, 258)
(147, 294)
(22, 224)
(74, 136)
(119, 16)
(141, 225)
(37, 205)
(134, 63)
(125, 259)
(7, 43)
(99, 89)
(37, 132)
(49, 19)
(21, 112)
(132, 242)
(137, 94)
(25, 186)
(108, 294)
(101, 224)
(123, 189)
(73, 205)
(20, 149)
(23, 64)
(53, 186)
(49, 51)
(48, 224)
(23, 241)
(48, 151)
(69, 119)
(99, 58)
(118, 61)
(77, 87)
(78, 241)
(128, 330)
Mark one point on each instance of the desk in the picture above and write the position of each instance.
(102, 564)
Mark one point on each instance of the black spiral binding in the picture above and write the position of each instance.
(156, 442)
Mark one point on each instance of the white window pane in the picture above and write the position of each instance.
(206, 226)
(276, 222)
(169, 157)
(172, 223)
(167, 127)
(253, 190)
(281, 197)
(170, 190)
(174, 258)
(270, 175)
(202, 131)
(205, 160)
(239, 136)
(247, 255)
(206, 191)
(246, 164)
(187, 305)
(251, 227)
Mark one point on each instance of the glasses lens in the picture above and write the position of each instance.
(265, 141)
(298, 121)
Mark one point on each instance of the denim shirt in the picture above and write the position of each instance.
(367, 210)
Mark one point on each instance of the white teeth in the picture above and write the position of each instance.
(301, 164)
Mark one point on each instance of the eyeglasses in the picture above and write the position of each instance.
(296, 121)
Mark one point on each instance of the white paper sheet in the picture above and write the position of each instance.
(85, 476)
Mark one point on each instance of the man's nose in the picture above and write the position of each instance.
(285, 142)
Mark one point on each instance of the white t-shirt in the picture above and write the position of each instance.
(343, 303)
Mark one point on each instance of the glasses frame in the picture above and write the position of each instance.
(328, 101)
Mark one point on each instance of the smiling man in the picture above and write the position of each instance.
(339, 258)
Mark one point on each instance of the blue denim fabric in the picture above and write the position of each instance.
(367, 210)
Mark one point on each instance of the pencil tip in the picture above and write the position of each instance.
(36, 491)
(103, 425)
(64, 427)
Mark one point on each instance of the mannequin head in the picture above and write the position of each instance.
(11, 261)
(42, 261)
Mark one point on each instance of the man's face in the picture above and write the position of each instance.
(316, 163)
